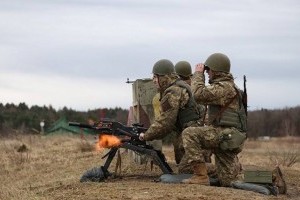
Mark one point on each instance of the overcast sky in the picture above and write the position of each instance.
(79, 53)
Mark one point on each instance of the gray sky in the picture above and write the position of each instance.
(79, 53)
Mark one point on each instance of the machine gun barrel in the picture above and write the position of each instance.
(81, 125)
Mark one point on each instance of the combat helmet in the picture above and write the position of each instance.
(163, 67)
(183, 68)
(218, 62)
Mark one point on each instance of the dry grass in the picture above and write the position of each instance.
(288, 156)
(49, 167)
(85, 145)
(277, 151)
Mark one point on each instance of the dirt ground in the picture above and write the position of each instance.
(50, 168)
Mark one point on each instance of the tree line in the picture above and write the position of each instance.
(24, 119)
(274, 123)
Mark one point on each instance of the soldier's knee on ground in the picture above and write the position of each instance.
(227, 177)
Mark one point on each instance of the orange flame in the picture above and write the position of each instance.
(108, 141)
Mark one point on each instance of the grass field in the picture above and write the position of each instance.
(49, 167)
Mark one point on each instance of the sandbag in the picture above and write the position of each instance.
(263, 189)
(96, 174)
(173, 178)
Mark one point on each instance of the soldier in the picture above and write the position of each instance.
(225, 133)
(184, 70)
(177, 105)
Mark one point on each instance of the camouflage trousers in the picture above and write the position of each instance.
(184, 167)
(178, 147)
(196, 140)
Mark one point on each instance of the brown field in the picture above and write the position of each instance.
(49, 167)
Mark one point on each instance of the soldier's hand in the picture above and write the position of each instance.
(141, 136)
(199, 67)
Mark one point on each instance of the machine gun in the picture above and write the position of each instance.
(129, 139)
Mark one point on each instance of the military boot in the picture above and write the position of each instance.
(200, 175)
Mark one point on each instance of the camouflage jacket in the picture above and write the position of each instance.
(172, 99)
(220, 91)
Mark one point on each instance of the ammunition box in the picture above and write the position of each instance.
(257, 176)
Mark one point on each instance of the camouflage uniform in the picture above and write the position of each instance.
(173, 98)
(184, 70)
(220, 93)
(176, 136)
